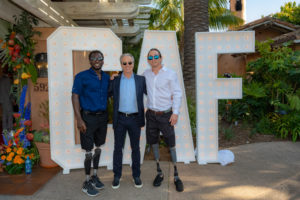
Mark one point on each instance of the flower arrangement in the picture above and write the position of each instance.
(18, 143)
(17, 51)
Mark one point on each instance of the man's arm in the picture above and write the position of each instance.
(76, 106)
(144, 85)
(177, 96)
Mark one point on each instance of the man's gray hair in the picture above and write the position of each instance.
(126, 54)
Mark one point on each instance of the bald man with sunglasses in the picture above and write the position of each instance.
(163, 103)
(128, 91)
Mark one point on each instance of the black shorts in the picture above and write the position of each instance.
(96, 129)
(159, 123)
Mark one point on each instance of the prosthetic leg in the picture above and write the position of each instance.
(160, 176)
(177, 181)
(95, 179)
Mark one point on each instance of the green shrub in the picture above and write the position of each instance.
(228, 133)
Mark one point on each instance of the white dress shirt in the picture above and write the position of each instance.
(163, 90)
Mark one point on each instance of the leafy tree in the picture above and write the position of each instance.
(289, 12)
(199, 16)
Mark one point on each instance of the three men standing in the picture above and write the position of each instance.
(89, 98)
(128, 91)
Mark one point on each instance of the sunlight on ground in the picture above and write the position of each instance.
(250, 192)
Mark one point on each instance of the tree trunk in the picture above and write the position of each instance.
(195, 20)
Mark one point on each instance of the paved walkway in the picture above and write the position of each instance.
(268, 171)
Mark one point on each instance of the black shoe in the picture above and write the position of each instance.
(137, 182)
(179, 185)
(116, 183)
(158, 179)
(96, 182)
(89, 189)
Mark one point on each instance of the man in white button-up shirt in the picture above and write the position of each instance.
(163, 101)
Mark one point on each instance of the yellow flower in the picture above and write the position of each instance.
(3, 157)
(16, 81)
(8, 150)
(20, 151)
(25, 75)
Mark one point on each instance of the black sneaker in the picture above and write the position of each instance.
(96, 182)
(116, 183)
(158, 179)
(89, 189)
(179, 185)
(137, 182)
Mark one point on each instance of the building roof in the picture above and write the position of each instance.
(292, 36)
(268, 22)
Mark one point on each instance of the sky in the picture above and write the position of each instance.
(256, 8)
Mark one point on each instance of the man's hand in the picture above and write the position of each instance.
(173, 119)
(112, 77)
(81, 126)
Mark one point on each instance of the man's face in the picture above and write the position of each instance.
(96, 61)
(127, 64)
(154, 59)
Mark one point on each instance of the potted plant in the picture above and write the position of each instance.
(42, 138)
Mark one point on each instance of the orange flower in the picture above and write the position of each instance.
(11, 154)
(18, 66)
(20, 151)
(19, 131)
(27, 123)
(3, 157)
(9, 158)
(8, 150)
(15, 149)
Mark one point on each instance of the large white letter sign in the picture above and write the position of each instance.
(166, 42)
(60, 45)
(210, 88)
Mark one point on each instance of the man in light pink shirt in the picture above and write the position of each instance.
(163, 102)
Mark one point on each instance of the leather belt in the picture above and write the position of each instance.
(160, 112)
(93, 113)
(128, 114)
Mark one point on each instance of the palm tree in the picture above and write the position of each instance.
(196, 20)
(198, 16)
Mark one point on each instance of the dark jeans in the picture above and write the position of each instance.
(127, 124)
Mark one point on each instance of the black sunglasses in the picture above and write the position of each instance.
(96, 59)
(125, 63)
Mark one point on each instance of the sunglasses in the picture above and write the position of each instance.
(155, 57)
(125, 63)
(96, 59)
